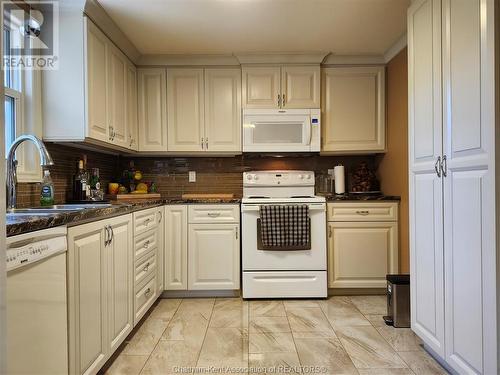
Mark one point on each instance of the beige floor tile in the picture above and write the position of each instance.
(421, 363)
(385, 371)
(376, 320)
(196, 306)
(291, 303)
(190, 328)
(171, 354)
(127, 365)
(328, 334)
(274, 363)
(267, 308)
(401, 339)
(308, 320)
(224, 347)
(367, 348)
(147, 336)
(328, 354)
(370, 304)
(165, 309)
(263, 324)
(230, 313)
(271, 342)
(341, 312)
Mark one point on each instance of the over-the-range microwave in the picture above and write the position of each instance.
(281, 130)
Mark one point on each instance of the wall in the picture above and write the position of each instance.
(393, 166)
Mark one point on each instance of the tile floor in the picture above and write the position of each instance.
(341, 335)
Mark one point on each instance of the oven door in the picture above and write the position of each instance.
(262, 260)
(277, 132)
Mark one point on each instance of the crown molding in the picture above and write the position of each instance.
(354, 60)
(187, 60)
(395, 48)
(281, 57)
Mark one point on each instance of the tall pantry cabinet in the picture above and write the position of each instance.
(452, 181)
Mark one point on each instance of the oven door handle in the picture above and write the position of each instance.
(312, 207)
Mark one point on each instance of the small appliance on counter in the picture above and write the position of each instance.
(398, 301)
(364, 181)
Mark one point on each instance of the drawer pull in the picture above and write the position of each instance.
(146, 244)
(147, 292)
(364, 213)
(214, 214)
(146, 222)
(146, 267)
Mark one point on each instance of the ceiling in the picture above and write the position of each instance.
(344, 27)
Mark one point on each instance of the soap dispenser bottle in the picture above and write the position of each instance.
(47, 191)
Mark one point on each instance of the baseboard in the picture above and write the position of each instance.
(355, 291)
(199, 293)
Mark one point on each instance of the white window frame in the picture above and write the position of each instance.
(28, 118)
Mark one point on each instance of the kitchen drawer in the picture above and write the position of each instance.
(363, 211)
(145, 242)
(145, 267)
(214, 213)
(145, 220)
(144, 298)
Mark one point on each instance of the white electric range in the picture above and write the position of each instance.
(282, 273)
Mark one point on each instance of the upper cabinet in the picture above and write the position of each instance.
(287, 86)
(100, 90)
(353, 110)
(204, 110)
(152, 94)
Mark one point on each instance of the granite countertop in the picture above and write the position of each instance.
(29, 223)
(360, 197)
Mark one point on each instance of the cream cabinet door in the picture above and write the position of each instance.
(152, 106)
(132, 123)
(160, 213)
(223, 110)
(120, 277)
(361, 254)
(185, 108)
(300, 86)
(353, 110)
(117, 96)
(97, 84)
(214, 256)
(176, 251)
(261, 87)
(426, 186)
(87, 298)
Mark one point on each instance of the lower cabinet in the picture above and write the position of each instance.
(202, 249)
(362, 244)
(100, 291)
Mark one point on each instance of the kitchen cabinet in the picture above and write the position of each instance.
(202, 249)
(176, 239)
(353, 110)
(152, 108)
(160, 260)
(285, 86)
(102, 95)
(213, 253)
(100, 282)
(452, 181)
(204, 110)
(362, 244)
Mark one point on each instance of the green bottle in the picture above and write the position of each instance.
(47, 191)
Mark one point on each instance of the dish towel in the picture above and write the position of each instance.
(285, 227)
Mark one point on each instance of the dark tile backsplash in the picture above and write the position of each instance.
(213, 174)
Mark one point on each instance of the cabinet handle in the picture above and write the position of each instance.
(146, 222)
(146, 244)
(444, 166)
(110, 133)
(132, 141)
(283, 101)
(206, 143)
(236, 232)
(202, 143)
(329, 232)
(112, 234)
(106, 235)
(279, 100)
(214, 214)
(147, 292)
(437, 166)
(146, 267)
(161, 216)
(364, 213)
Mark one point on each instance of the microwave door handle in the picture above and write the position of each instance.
(309, 135)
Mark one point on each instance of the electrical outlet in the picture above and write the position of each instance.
(192, 176)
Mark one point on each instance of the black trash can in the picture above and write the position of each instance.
(398, 301)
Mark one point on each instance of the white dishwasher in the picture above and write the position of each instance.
(37, 328)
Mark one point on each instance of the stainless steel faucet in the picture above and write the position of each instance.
(45, 161)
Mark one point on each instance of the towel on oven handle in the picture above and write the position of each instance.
(284, 227)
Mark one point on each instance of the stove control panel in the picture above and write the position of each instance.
(278, 178)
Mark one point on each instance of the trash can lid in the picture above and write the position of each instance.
(398, 279)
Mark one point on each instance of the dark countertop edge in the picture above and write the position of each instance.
(362, 198)
(26, 224)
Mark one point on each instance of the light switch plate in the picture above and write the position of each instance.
(192, 176)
